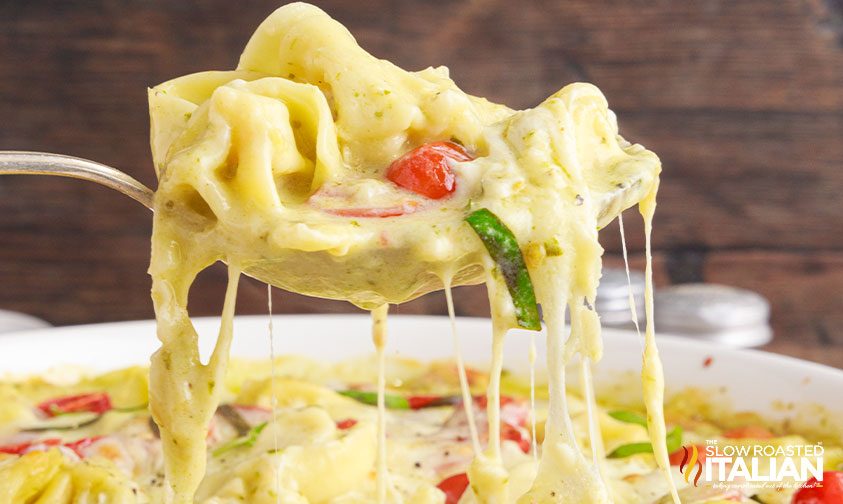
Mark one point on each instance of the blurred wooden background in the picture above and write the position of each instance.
(743, 101)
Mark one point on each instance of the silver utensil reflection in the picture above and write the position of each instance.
(42, 163)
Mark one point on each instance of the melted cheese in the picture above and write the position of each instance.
(183, 392)
(379, 339)
(254, 163)
(652, 375)
(534, 449)
(272, 375)
(465, 392)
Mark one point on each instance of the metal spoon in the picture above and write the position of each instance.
(609, 202)
(42, 163)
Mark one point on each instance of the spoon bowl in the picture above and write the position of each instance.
(277, 271)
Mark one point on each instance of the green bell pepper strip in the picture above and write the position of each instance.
(505, 251)
(248, 440)
(371, 398)
(674, 442)
(629, 417)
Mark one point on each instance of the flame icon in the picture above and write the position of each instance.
(690, 461)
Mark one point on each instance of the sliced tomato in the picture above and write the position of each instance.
(346, 424)
(97, 402)
(419, 402)
(512, 433)
(749, 432)
(77, 446)
(252, 407)
(393, 211)
(425, 170)
(481, 401)
(454, 486)
(80, 444)
(827, 491)
(21, 448)
(15, 449)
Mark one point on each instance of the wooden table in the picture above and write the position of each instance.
(743, 100)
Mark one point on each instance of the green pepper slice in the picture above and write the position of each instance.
(673, 438)
(246, 441)
(505, 251)
(629, 417)
(391, 401)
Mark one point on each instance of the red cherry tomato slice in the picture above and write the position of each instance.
(419, 402)
(482, 401)
(393, 211)
(828, 491)
(346, 424)
(512, 433)
(79, 445)
(15, 449)
(21, 448)
(454, 486)
(425, 170)
(97, 402)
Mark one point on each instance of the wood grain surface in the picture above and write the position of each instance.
(743, 101)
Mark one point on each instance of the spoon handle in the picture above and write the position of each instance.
(42, 163)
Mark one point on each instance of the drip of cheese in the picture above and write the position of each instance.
(270, 333)
(465, 391)
(633, 309)
(379, 339)
(564, 474)
(183, 392)
(598, 453)
(534, 449)
(254, 163)
(487, 474)
(652, 374)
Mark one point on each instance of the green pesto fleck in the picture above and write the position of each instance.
(552, 248)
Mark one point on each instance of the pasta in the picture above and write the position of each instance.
(320, 169)
(320, 441)
(276, 169)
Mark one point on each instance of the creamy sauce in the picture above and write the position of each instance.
(184, 393)
(256, 165)
(124, 463)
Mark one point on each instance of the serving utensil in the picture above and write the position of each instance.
(43, 163)
(610, 201)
